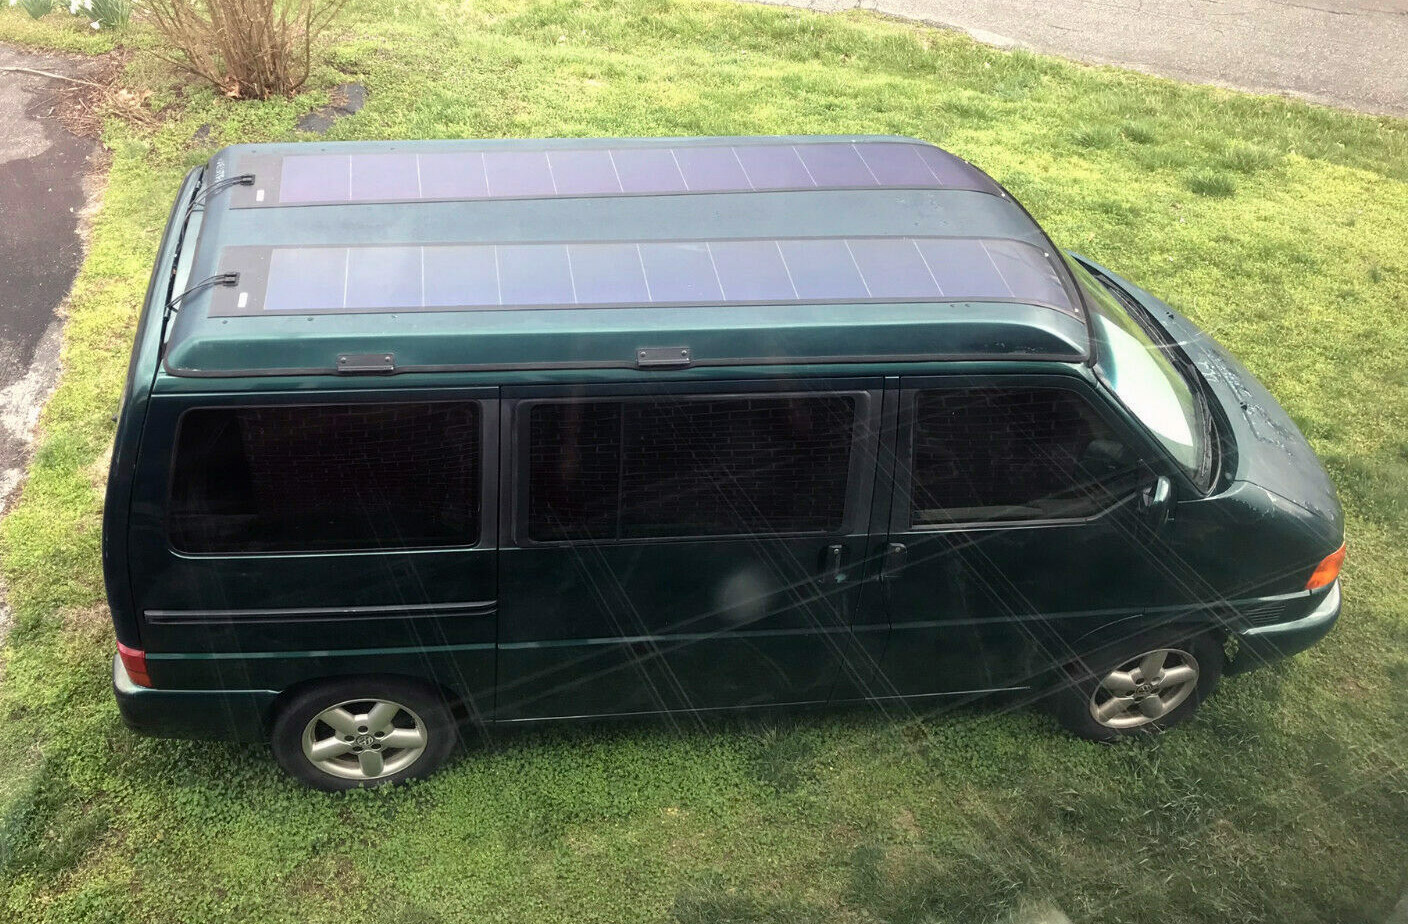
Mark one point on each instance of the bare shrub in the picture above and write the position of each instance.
(249, 49)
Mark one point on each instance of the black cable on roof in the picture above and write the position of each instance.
(242, 179)
(219, 279)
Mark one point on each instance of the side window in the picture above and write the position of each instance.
(326, 477)
(676, 467)
(1014, 454)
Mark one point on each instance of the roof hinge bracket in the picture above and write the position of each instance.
(353, 363)
(662, 357)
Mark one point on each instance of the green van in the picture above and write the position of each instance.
(424, 436)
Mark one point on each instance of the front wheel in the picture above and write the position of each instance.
(1143, 684)
(354, 733)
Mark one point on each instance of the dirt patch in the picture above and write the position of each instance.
(97, 470)
(89, 93)
(87, 626)
(906, 826)
(345, 100)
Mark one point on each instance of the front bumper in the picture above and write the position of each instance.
(225, 715)
(1261, 645)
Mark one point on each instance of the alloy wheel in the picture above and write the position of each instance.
(364, 739)
(1145, 689)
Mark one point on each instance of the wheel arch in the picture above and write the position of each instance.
(1096, 641)
(454, 701)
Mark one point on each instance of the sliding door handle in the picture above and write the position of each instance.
(832, 559)
(895, 554)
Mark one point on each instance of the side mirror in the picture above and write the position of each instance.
(1156, 501)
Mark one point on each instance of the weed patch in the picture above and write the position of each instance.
(1212, 183)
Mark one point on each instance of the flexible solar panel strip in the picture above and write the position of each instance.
(314, 179)
(814, 270)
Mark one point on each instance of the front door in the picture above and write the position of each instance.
(1015, 529)
(690, 548)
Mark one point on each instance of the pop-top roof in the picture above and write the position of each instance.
(585, 252)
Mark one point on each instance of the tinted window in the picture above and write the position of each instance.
(329, 477)
(681, 467)
(1014, 454)
(574, 471)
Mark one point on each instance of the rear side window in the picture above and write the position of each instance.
(1014, 454)
(326, 478)
(605, 470)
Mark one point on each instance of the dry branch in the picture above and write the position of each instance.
(39, 73)
(249, 49)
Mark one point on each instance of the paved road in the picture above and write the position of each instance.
(42, 167)
(1350, 53)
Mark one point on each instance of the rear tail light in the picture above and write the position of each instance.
(134, 661)
(1325, 573)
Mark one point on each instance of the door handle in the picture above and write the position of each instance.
(895, 554)
(831, 567)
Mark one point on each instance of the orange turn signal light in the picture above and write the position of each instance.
(1325, 573)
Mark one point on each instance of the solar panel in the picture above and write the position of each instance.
(895, 272)
(584, 173)
(448, 176)
(712, 169)
(898, 164)
(835, 165)
(308, 279)
(963, 266)
(621, 274)
(774, 167)
(461, 275)
(608, 273)
(824, 269)
(319, 179)
(383, 176)
(531, 274)
(384, 277)
(1033, 280)
(949, 170)
(681, 273)
(316, 178)
(513, 174)
(648, 170)
(752, 271)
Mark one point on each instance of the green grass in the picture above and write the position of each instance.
(1287, 801)
(1247, 158)
(1212, 183)
(57, 31)
(1140, 131)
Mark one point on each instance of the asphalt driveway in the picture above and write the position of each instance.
(42, 166)
(1349, 53)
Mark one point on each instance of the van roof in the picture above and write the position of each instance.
(610, 253)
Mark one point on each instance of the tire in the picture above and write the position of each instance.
(1107, 696)
(360, 732)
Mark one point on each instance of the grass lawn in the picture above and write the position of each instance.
(1280, 227)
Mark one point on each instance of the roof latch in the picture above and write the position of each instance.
(350, 363)
(662, 357)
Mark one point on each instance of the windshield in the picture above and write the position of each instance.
(1145, 380)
